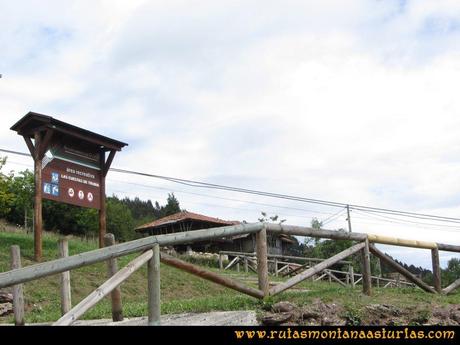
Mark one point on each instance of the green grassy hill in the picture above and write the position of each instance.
(182, 292)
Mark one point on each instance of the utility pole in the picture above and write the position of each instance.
(348, 218)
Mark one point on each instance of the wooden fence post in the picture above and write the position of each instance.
(276, 267)
(112, 268)
(66, 297)
(18, 292)
(436, 270)
(367, 282)
(246, 268)
(221, 264)
(154, 287)
(262, 265)
(352, 276)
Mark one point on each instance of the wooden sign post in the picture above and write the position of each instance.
(70, 166)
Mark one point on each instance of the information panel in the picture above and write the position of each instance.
(72, 183)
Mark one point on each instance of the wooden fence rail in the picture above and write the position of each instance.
(150, 246)
(103, 290)
(48, 268)
(316, 269)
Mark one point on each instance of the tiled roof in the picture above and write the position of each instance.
(185, 215)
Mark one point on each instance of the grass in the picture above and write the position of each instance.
(182, 292)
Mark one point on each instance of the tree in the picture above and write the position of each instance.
(452, 271)
(316, 225)
(172, 206)
(120, 221)
(22, 187)
(6, 197)
(69, 219)
(16, 198)
(323, 249)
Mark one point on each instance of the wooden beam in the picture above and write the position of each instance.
(38, 221)
(44, 144)
(366, 264)
(316, 269)
(76, 312)
(277, 256)
(436, 270)
(66, 295)
(352, 276)
(108, 162)
(339, 235)
(231, 263)
(276, 267)
(448, 247)
(221, 263)
(87, 258)
(304, 231)
(154, 291)
(30, 146)
(102, 209)
(262, 265)
(211, 276)
(296, 269)
(397, 267)
(18, 291)
(115, 295)
(401, 242)
(333, 277)
(320, 277)
(451, 287)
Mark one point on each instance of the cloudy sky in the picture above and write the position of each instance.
(353, 101)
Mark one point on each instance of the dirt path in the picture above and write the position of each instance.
(218, 318)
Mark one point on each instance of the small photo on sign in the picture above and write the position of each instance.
(90, 197)
(55, 190)
(81, 195)
(55, 177)
(47, 188)
(71, 192)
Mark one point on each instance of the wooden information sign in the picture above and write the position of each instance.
(70, 166)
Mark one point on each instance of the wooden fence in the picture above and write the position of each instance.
(286, 265)
(149, 249)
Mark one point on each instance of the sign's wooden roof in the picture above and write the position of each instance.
(33, 122)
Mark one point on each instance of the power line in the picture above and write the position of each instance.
(193, 183)
(16, 153)
(229, 207)
(331, 218)
(290, 197)
(222, 198)
(361, 220)
(403, 221)
(210, 196)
